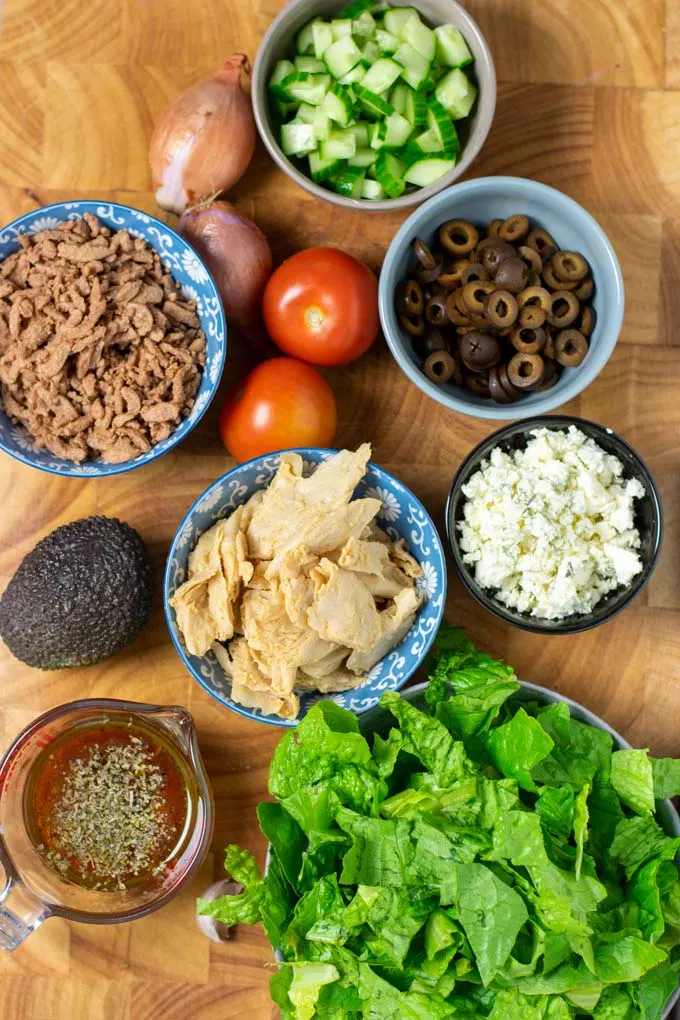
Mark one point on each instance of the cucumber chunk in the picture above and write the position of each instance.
(306, 88)
(415, 109)
(358, 73)
(364, 27)
(322, 169)
(381, 76)
(339, 104)
(452, 50)
(322, 35)
(304, 43)
(399, 97)
(371, 190)
(338, 145)
(297, 139)
(456, 93)
(371, 51)
(349, 182)
(415, 68)
(309, 64)
(374, 106)
(361, 132)
(439, 122)
(396, 18)
(420, 37)
(389, 172)
(282, 69)
(387, 42)
(426, 171)
(342, 56)
(364, 157)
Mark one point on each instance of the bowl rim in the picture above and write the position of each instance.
(241, 710)
(486, 112)
(482, 450)
(68, 468)
(552, 398)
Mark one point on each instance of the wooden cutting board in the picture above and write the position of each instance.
(589, 102)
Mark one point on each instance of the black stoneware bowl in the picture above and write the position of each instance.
(648, 521)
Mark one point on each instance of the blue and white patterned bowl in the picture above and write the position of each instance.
(197, 284)
(402, 516)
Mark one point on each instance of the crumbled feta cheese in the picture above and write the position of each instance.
(550, 529)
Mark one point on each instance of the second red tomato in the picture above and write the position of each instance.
(321, 305)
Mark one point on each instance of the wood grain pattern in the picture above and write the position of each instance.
(589, 101)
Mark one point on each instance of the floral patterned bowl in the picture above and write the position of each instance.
(402, 516)
(197, 284)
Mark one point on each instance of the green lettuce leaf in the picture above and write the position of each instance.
(623, 957)
(244, 908)
(605, 811)
(286, 838)
(633, 780)
(320, 903)
(393, 917)
(581, 752)
(305, 987)
(428, 740)
(653, 990)
(645, 893)
(555, 808)
(615, 1004)
(638, 840)
(278, 902)
(580, 826)
(517, 746)
(666, 772)
(491, 914)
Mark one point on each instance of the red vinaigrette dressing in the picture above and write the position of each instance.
(108, 804)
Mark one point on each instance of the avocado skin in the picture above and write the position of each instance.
(82, 594)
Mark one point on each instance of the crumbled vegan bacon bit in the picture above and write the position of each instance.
(99, 352)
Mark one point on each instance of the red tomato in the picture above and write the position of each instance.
(321, 305)
(281, 403)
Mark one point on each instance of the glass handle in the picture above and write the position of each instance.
(20, 914)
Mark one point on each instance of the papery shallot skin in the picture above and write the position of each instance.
(239, 257)
(204, 140)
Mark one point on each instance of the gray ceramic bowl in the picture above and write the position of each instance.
(572, 227)
(378, 720)
(648, 521)
(277, 43)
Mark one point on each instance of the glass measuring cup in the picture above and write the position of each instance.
(31, 890)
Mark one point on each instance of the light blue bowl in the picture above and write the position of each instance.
(572, 227)
(197, 284)
(402, 516)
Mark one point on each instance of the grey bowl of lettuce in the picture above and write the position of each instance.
(476, 848)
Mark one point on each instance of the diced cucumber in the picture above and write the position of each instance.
(398, 130)
(439, 122)
(399, 96)
(429, 141)
(284, 108)
(415, 109)
(387, 42)
(373, 106)
(306, 88)
(452, 50)
(306, 113)
(389, 172)
(414, 66)
(427, 171)
(456, 93)
(341, 29)
(349, 182)
(364, 27)
(297, 139)
(371, 190)
(322, 169)
(309, 64)
(381, 76)
(357, 73)
(420, 37)
(364, 157)
(305, 39)
(371, 52)
(342, 56)
(338, 145)
(378, 135)
(322, 123)
(396, 18)
(361, 133)
(410, 154)
(339, 104)
(281, 71)
(322, 35)
(353, 10)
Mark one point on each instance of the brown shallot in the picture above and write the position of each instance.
(204, 139)
(239, 257)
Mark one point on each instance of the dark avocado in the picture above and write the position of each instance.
(82, 594)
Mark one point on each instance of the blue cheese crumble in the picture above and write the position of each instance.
(550, 529)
